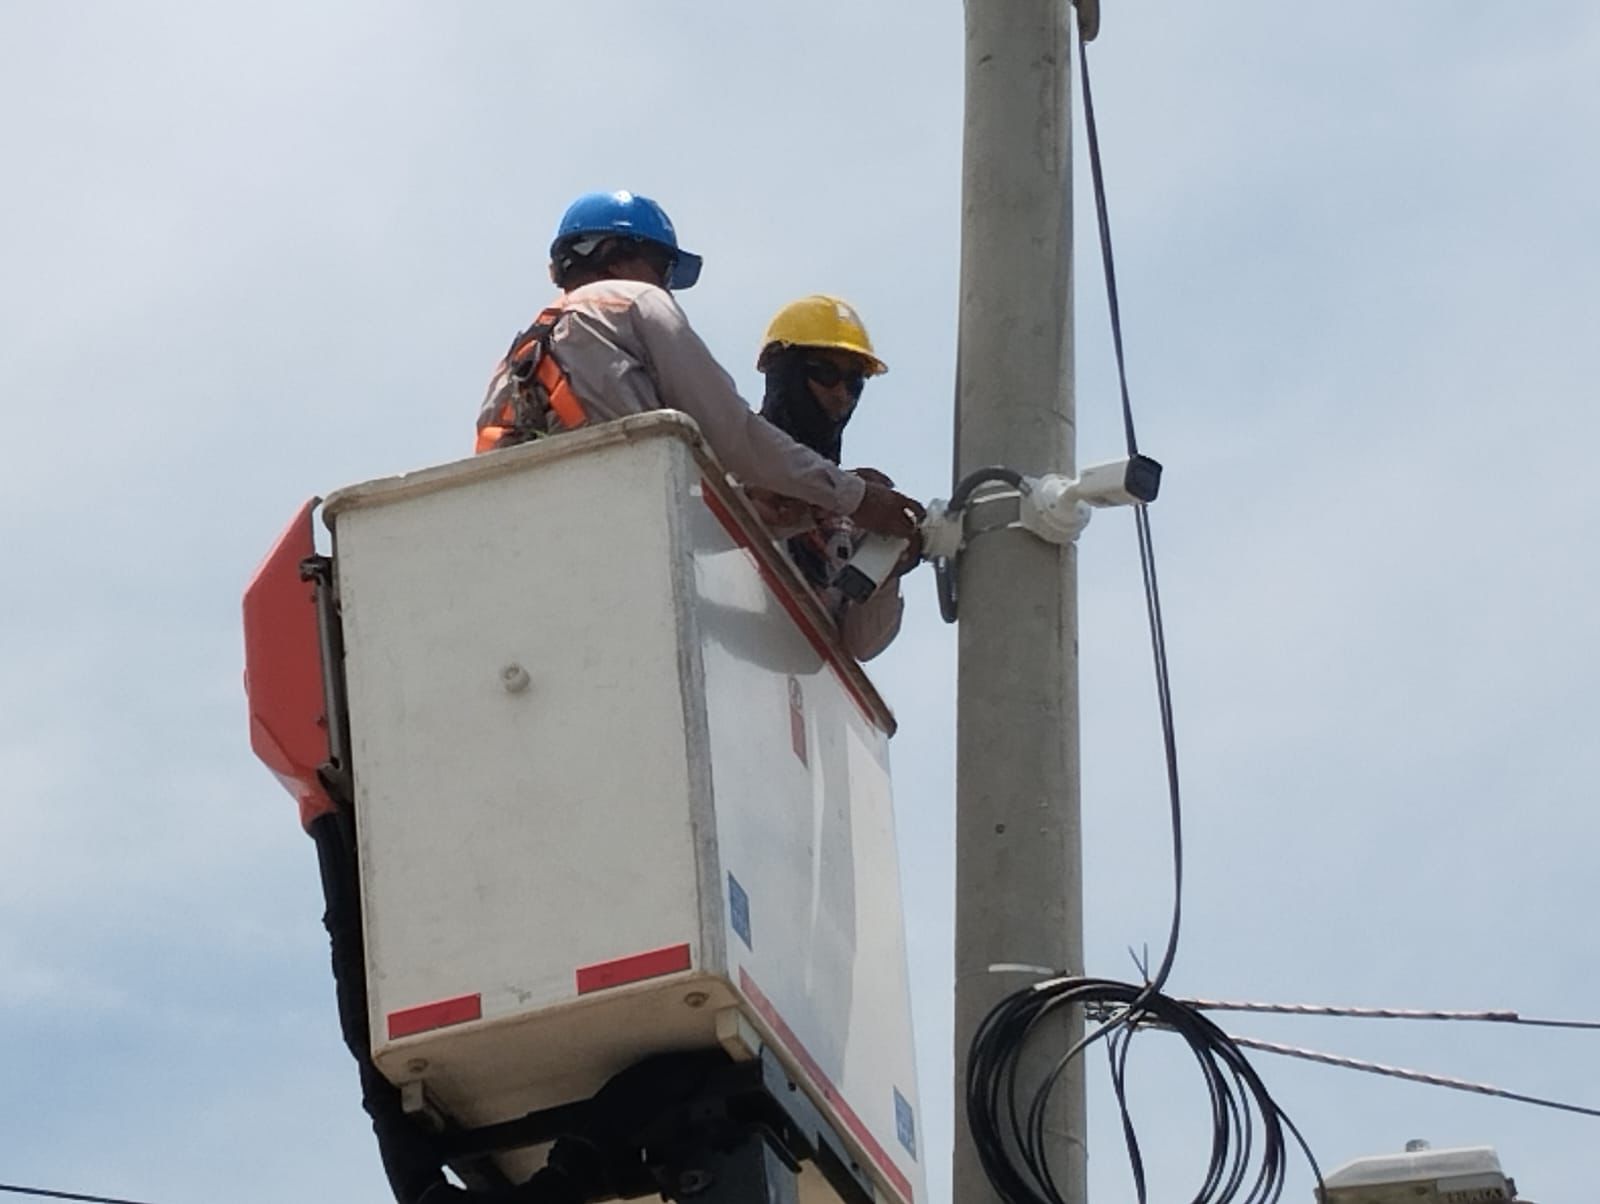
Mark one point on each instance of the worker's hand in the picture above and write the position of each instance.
(909, 559)
(776, 510)
(887, 512)
(873, 475)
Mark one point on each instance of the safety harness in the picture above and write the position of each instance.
(531, 395)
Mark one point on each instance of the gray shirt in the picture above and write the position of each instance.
(628, 348)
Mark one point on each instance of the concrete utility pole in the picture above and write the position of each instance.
(1018, 888)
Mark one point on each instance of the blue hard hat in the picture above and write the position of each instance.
(629, 216)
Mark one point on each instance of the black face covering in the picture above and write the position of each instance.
(790, 407)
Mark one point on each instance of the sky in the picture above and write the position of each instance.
(248, 256)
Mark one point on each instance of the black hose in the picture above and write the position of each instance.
(962, 493)
(944, 576)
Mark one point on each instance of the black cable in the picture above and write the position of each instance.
(1539, 1022)
(962, 493)
(1013, 1153)
(63, 1195)
(1147, 555)
(1248, 1127)
(1108, 264)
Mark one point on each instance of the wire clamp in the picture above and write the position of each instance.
(942, 531)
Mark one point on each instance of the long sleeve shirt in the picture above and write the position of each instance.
(628, 348)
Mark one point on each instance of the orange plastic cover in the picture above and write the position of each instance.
(283, 669)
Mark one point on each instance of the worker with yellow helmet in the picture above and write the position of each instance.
(816, 357)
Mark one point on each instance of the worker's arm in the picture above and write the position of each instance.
(688, 378)
(783, 516)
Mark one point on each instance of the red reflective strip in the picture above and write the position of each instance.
(435, 1015)
(635, 968)
(821, 642)
(854, 1123)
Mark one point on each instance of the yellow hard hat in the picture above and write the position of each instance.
(819, 321)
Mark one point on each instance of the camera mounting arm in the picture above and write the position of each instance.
(1055, 507)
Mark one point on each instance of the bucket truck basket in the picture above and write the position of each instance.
(617, 791)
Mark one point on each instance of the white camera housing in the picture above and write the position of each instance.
(1057, 508)
(873, 563)
(1130, 482)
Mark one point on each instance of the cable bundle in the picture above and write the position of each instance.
(1008, 1128)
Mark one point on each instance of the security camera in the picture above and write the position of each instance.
(873, 563)
(1119, 482)
(1057, 508)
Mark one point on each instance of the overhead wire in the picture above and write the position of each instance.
(1342, 1061)
(1147, 555)
(46, 1193)
(1413, 1076)
(1502, 1016)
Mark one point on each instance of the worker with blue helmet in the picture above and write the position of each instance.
(634, 223)
(615, 343)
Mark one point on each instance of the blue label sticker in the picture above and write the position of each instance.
(739, 911)
(905, 1123)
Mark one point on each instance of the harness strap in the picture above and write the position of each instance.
(540, 388)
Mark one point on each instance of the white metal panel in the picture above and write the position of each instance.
(805, 834)
(511, 837)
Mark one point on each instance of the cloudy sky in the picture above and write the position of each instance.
(248, 255)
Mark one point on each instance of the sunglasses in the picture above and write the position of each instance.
(828, 374)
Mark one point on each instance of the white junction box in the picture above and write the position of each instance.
(617, 787)
(1468, 1175)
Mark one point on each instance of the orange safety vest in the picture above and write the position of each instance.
(537, 390)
